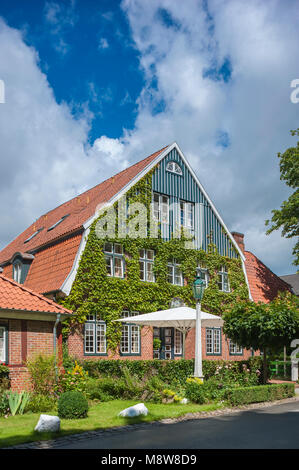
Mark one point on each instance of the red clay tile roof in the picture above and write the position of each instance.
(14, 296)
(78, 209)
(264, 284)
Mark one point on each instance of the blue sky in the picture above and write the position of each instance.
(94, 86)
(87, 53)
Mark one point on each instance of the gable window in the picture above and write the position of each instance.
(130, 336)
(33, 235)
(174, 167)
(114, 259)
(175, 275)
(213, 341)
(234, 349)
(161, 208)
(94, 336)
(178, 342)
(146, 265)
(203, 274)
(223, 282)
(3, 345)
(58, 222)
(17, 272)
(187, 214)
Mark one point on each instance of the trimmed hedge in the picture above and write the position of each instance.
(72, 405)
(260, 393)
(168, 371)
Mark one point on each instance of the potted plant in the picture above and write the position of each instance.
(156, 347)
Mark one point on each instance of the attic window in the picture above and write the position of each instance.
(174, 167)
(34, 235)
(58, 222)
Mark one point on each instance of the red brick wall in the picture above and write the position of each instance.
(76, 346)
(26, 339)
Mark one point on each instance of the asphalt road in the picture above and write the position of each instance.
(275, 427)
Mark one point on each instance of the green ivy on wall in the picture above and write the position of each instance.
(93, 292)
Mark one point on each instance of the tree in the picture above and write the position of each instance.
(264, 327)
(287, 217)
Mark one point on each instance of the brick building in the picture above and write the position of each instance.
(46, 257)
(29, 324)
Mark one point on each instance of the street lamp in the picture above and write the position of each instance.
(198, 291)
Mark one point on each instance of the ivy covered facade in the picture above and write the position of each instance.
(121, 276)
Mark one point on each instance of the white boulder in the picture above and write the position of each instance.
(136, 410)
(47, 423)
(184, 401)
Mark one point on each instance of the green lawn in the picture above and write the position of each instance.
(20, 428)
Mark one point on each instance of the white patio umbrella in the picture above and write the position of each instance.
(181, 318)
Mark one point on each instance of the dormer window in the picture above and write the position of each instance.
(34, 235)
(58, 222)
(17, 272)
(174, 167)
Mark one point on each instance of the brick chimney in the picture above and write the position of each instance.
(239, 237)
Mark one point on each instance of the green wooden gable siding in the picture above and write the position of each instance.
(207, 228)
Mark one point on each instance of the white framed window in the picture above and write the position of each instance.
(94, 336)
(3, 345)
(203, 274)
(175, 275)
(174, 167)
(17, 272)
(130, 337)
(234, 349)
(178, 342)
(223, 282)
(161, 208)
(146, 264)
(187, 214)
(213, 341)
(114, 259)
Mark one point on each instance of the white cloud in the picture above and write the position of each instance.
(103, 44)
(45, 159)
(60, 18)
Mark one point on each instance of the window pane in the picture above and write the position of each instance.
(124, 346)
(177, 276)
(109, 265)
(209, 341)
(135, 339)
(170, 274)
(217, 341)
(118, 249)
(101, 338)
(141, 267)
(118, 272)
(89, 337)
(164, 209)
(150, 254)
(108, 247)
(150, 272)
(142, 254)
(178, 342)
(2, 345)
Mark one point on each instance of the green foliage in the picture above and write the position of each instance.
(4, 378)
(157, 343)
(287, 217)
(195, 392)
(72, 405)
(42, 374)
(263, 326)
(94, 391)
(174, 372)
(4, 405)
(261, 393)
(40, 404)
(17, 401)
(73, 379)
(93, 292)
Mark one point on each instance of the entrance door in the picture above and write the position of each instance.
(166, 336)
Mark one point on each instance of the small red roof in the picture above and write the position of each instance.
(264, 284)
(14, 296)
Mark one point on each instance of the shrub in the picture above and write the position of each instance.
(194, 392)
(74, 379)
(4, 405)
(40, 404)
(245, 395)
(17, 401)
(72, 405)
(42, 374)
(95, 392)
